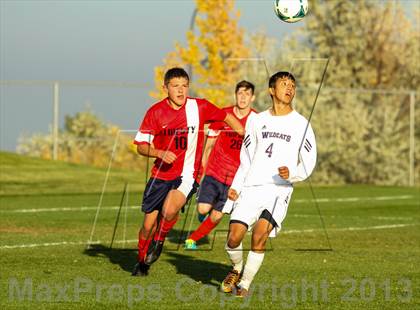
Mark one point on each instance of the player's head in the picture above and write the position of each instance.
(244, 94)
(282, 87)
(176, 84)
(175, 73)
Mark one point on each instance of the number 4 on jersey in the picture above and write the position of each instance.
(269, 150)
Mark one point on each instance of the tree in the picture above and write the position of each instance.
(212, 53)
(88, 140)
(363, 136)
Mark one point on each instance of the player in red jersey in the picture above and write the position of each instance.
(224, 145)
(172, 132)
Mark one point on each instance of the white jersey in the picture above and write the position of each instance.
(274, 141)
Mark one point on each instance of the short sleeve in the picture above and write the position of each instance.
(147, 129)
(213, 113)
(214, 129)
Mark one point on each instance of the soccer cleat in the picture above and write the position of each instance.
(154, 251)
(240, 292)
(140, 269)
(202, 217)
(190, 244)
(229, 283)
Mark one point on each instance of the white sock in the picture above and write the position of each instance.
(236, 257)
(253, 264)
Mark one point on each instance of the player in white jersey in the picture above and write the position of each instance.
(278, 150)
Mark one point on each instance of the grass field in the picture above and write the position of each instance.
(47, 210)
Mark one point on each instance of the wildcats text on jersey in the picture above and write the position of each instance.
(278, 135)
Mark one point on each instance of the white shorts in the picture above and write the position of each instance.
(253, 200)
(228, 207)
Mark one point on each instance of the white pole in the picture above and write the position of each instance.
(412, 138)
(55, 120)
(90, 241)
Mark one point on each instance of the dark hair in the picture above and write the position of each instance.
(175, 73)
(245, 84)
(280, 75)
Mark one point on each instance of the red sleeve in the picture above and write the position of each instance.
(217, 125)
(213, 113)
(147, 130)
(214, 129)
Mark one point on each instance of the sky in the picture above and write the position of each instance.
(95, 40)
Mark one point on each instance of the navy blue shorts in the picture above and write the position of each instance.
(156, 191)
(213, 192)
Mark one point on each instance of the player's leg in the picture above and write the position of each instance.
(203, 210)
(213, 194)
(145, 237)
(154, 195)
(260, 234)
(146, 232)
(245, 213)
(204, 229)
(237, 231)
(174, 201)
(268, 224)
(207, 196)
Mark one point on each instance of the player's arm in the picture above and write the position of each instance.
(234, 124)
(210, 142)
(145, 136)
(306, 161)
(214, 114)
(148, 150)
(246, 156)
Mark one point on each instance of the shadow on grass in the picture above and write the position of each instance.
(199, 270)
(125, 258)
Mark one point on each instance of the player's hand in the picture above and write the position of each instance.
(232, 194)
(167, 156)
(284, 172)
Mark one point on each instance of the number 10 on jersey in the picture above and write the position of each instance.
(180, 143)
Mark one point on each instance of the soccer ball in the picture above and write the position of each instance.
(291, 11)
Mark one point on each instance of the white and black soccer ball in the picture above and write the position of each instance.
(291, 11)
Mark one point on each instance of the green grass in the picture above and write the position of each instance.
(373, 264)
(29, 176)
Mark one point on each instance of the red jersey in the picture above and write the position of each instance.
(179, 131)
(224, 158)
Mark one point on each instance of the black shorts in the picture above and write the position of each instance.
(213, 192)
(267, 215)
(156, 191)
(264, 215)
